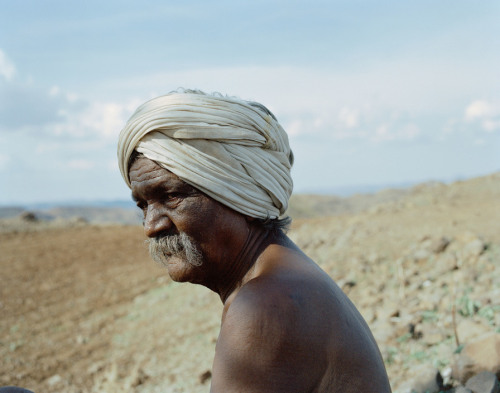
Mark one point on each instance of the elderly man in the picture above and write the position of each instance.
(211, 175)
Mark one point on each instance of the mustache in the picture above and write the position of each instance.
(179, 245)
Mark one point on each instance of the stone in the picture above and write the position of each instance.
(468, 330)
(481, 354)
(439, 245)
(425, 380)
(54, 380)
(421, 255)
(484, 382)
(473, 249)
(204, 377)
(140, 378)
(28, 217)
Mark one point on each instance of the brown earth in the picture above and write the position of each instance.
(83, 309)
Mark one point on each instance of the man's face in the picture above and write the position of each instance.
(186, 228)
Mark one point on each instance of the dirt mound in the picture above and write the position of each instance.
(85, 310)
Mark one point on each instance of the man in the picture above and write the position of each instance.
(212, 177)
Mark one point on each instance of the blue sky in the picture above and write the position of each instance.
(370, 92)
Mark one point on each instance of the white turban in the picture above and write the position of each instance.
(230, 149)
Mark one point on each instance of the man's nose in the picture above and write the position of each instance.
(156, 221)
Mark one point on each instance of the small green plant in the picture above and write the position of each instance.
(441, 363)
(391, 355)
(467, 307)
(404, 338)
(488, 312)
(419, 355)
(429, 316)
(459, 348)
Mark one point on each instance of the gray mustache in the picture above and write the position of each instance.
(180, 245)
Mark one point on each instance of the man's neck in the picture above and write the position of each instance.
(240, 270)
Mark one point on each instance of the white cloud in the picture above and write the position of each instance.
(7, 67)
(491, 125)
(349, 117)
(32, 109)
(481, 109)
(100, 120)
(487, 113)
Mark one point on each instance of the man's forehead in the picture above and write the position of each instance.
(147, 173)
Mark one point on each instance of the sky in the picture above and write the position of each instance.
(370, 92)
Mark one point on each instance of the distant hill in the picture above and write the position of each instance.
(11, 211)
(93, 214)
(310, 206)
(301, 205)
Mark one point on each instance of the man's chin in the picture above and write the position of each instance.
(178, 268)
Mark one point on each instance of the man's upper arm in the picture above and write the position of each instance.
(266, 345)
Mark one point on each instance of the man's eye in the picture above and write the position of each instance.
(173, 196)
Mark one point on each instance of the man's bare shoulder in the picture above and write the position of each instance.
(292, 289)
(267, 343)
(292, 329)
(286, 304)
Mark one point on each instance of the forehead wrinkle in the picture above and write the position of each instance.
(146, 178)
(147, 184)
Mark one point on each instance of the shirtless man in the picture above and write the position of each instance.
(211, 175)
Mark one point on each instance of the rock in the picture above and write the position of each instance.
(421, 255)
(425, 380)
(28, 217)
(54, 380)
(205, 377)
(482, 354)
(140, 378)
(484, 382)
(473, 249)
(446, 263)
(468, 330)
(433, 338)
(439, 245)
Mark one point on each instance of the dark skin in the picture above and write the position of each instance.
(286, 326)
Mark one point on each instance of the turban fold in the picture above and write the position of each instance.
(230, 149)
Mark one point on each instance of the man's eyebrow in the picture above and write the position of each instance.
(134, 197)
